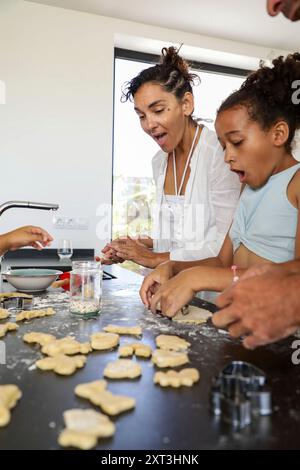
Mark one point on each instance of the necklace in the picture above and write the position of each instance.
(177, 192)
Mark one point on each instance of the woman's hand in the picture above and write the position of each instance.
(173, 294)
(25, 236)
(155, 280)
(134, 250)
(110, 256)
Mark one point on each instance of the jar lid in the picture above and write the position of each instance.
(86, 266)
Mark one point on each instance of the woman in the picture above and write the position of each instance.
(195, 192)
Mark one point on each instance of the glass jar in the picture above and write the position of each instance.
(85, 288)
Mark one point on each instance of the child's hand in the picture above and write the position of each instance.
(154, 281)
(174, 294)
(25, 236)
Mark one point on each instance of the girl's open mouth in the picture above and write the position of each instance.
(241, 175)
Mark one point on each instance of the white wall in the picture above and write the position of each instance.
(56, 125)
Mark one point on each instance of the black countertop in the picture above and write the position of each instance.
(164, 418)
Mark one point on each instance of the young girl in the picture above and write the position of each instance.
(256, 127)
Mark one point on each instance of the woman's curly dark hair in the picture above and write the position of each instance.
(269, 95)
(172, 73)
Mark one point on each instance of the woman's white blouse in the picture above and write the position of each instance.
(195, 229)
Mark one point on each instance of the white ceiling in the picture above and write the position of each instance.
(238, 20)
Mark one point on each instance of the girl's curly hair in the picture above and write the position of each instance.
(269, 94)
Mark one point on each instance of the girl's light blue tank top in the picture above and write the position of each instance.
(265, 221)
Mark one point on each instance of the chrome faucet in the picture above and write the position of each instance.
(28, 205)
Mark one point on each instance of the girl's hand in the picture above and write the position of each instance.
(173, 295)
(154, 281)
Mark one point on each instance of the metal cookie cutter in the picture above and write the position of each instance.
(184, 310)
(239, 393)
(16, 303)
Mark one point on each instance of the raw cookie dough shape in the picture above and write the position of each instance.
(172, 378)
(9, 395)
(39, 338)
(102, 341)
(97, 394)
(137, 349)
(124, 330)
(67, 345)
(162, 358)
(196, 315)
(122, 369)
(172, 343)
(80, 440)
(84, 428)
(7, 327)
(4, 313)
(29, 314)
(61, 364)
(15, 294)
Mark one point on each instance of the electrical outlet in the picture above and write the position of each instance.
(82, 223)
(58, 222)
(70, 223)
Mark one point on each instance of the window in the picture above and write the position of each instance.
(2, 92)
(133, 188)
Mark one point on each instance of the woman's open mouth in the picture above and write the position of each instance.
(160, 138)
